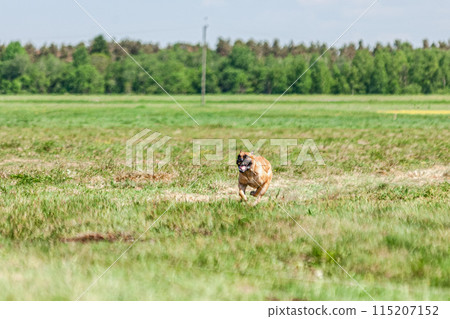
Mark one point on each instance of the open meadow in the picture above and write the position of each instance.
(69, 206)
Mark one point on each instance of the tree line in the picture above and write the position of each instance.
(239, 67)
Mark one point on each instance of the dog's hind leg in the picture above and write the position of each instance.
(242, 188)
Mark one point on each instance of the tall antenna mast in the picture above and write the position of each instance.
(204, 62)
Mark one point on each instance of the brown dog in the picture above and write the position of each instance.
(254, 171)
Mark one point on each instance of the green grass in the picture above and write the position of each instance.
(380, 206)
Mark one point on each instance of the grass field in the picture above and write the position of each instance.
(380, 206)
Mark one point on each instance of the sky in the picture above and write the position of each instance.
(164, 22)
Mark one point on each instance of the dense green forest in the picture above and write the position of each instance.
(239, 67)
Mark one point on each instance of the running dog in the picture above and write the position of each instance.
(254, 171)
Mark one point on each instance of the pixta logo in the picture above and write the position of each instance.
(140, 151)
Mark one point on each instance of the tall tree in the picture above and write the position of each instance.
(320, 76)
(80, 56)
(362, 66)
(379, 83)
(99, 45)
(296, 67)
(223, 47)
(12, 50)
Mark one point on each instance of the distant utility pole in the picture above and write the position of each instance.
(204, 63)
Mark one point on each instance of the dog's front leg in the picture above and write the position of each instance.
(242, 188)
(260, 191)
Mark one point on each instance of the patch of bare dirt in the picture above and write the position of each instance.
(88, 237)
(143, 177)
(192, 198)
(287, 188)
(436, 173)
(20, 161)
(96, 182)
(226, 187)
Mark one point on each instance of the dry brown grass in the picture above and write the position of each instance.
(89, 237)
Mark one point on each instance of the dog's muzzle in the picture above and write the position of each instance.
(243, 168)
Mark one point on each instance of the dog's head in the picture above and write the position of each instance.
(244, 161)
